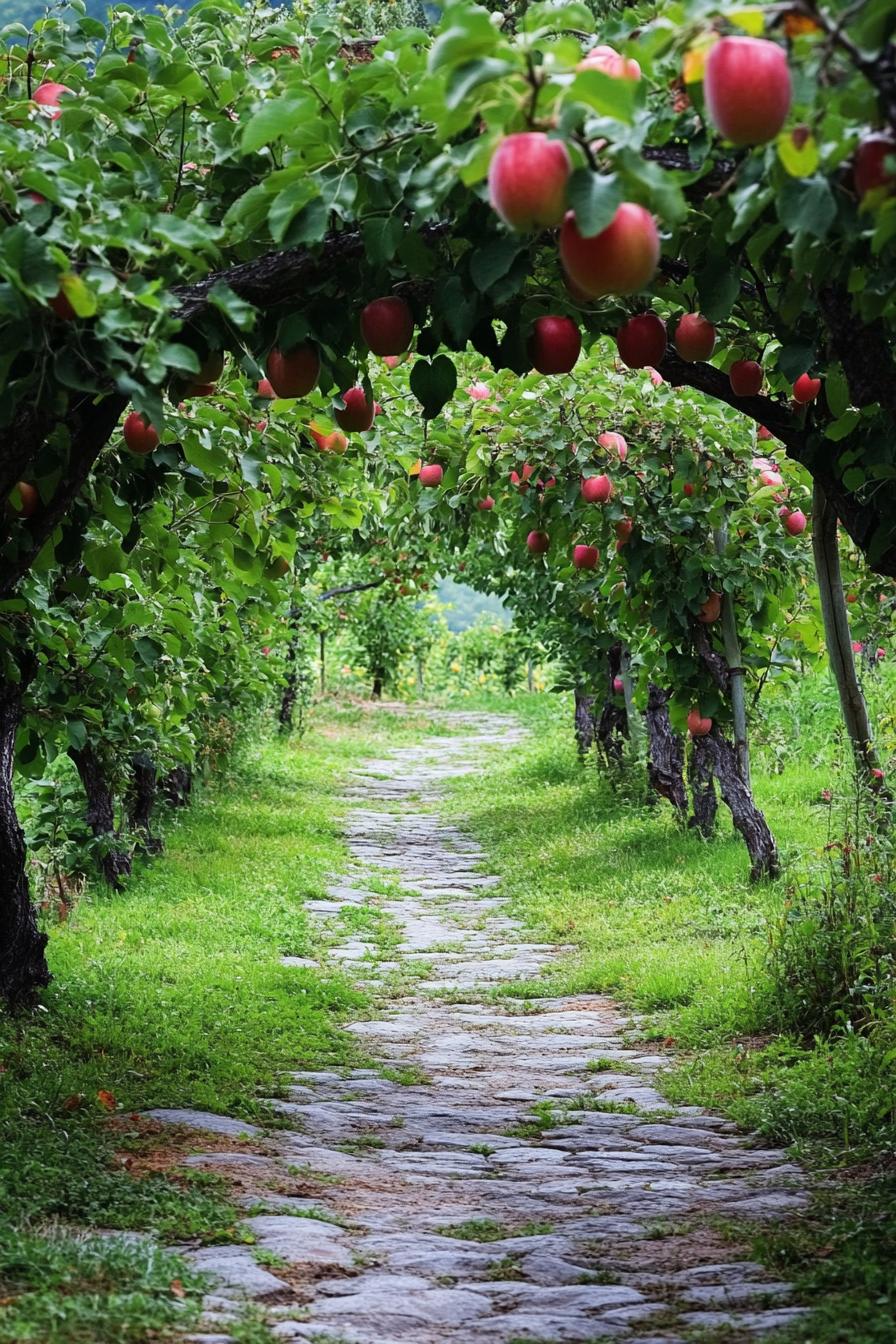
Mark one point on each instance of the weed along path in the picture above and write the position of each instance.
(507, 1170)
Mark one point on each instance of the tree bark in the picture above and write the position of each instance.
(142, 799)
(23, 964)
(115, 863)
(290, 685)
(747, 818)
(703, 790)
(376, 691)
(177, 786)
(665, 752)
(583, 721)
(837, 636)
(736, 670)
(611, 729)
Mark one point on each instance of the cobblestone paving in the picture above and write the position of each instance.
(509, 1173)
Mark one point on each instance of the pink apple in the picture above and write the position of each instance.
(486, 504)
(554, 345)
(771, 478)
(478, 392)
(747, 89)
(695, 338)
(745, 377)
(711, 609)
(610, 62)
(642, 341)
(857, 646)
(597, 489)
(763, 433)
(293, 373)
(431, 474)
(47, 97)
(584, 557)
(264, 389)
(623, 531)
(387, 326)
(869, 170)
(806, 389)
(618, 686)
(356, 415)
(621, 259)
(795, 522)
(613, 443)
(697, 725)
(527, 180)
(139, 435)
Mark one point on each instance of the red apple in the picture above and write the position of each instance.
(328, 443)
(584, 557)
(611, 63)
(486, 504)
(745, 377)
(763, 433)
(697, 725)
(293, 373)
(527, 180)
(264, 389)
(747, 89)
(771, 478)
(140, 437)
(624, 530)
(29, 500)
(711, 609)
(554, 345)
(47, 96)
(642, 341)
(795, 522)
(200, 390)
(621, 259)
(618, 686)
(538, 542)
(431, 474)
(852, 597)
(597, 489)
(806, 389)
(695, 337)
(387, 326)
(61, 307)
(521, 482)
(869, 169)
(357, 414)
(613, 443)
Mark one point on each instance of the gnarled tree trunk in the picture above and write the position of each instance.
(837, 637)
(23, 965)
(611, 730)
(291, 684)
(177, 786)
(583, 721)
(744, 813)
(142, 799)
(665, 752)
(703, 789)
(115, 862)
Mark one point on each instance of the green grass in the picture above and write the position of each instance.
(171, 993)
(669, 924)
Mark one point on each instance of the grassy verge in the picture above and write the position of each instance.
(170, 993)
(670, 925)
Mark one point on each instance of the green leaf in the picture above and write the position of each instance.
(606, 95)
(472, 35)
(798, 151)
(235, 309)
(471, 75)
(718, 285)
(843, 426)
(381, 238)
(272, 120)
(595, 198)
(433, 384)
(807, 206)
(836, 391)
(489, 263)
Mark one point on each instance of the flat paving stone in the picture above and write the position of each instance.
(508, 1191)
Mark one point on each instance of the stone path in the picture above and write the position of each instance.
(509, 1173)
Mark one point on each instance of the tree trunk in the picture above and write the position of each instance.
(836, 628)
(530, 675)
(744, 813)
(665, 752)
(23, 965)
(290, 686)
(634, 725)
(323, 663)
(142, 799)
(583, 721)
(115, 863)
(736, 670)
(177, 786)
(703, 789)
(376, 691)
(612, 724)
